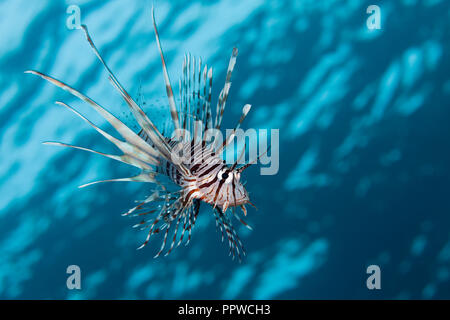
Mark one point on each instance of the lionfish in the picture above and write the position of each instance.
(205, 179)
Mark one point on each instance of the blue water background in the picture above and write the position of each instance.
(364, 149)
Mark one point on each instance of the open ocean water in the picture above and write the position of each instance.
(364, 175)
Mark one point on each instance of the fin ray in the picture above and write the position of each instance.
(173, 108)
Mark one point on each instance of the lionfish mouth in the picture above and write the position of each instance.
(151, 152)
(234, 204)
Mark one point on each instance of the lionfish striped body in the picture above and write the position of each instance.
(180, 186)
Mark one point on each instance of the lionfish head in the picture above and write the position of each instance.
(233, 192)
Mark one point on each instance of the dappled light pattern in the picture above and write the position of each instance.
(364, 163)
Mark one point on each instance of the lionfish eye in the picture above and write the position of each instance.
(225, 175)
